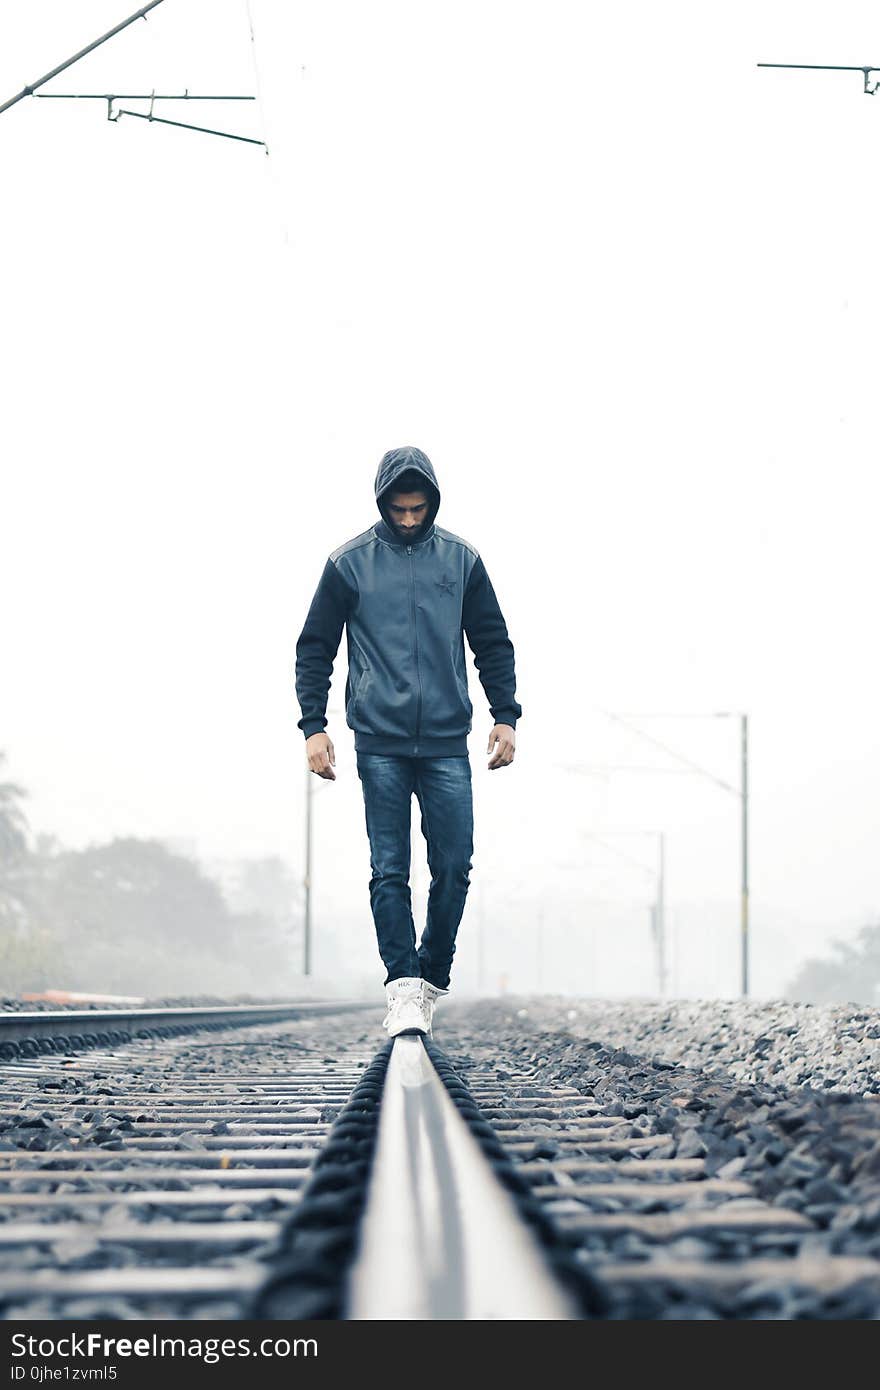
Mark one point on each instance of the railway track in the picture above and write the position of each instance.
(238, 1164)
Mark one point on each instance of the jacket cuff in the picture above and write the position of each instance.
(312, 726)
(505, 716)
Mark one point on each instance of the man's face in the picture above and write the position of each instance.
(408, 512)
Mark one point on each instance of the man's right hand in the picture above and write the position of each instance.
(321, 757)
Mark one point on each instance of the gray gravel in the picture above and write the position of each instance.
(783, 1097)
(832, 1047)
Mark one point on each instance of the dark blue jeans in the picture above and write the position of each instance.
(443, 788)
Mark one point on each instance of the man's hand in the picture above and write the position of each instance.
(322, 759)
(505, 737)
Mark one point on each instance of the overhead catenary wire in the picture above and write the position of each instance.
(268, 130)
(261, 108)
(672, 752)
(152, 97)
(597, 838)
(30, 89)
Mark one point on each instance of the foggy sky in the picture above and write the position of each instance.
(618, 283)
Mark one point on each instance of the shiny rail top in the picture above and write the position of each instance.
(441, 1238)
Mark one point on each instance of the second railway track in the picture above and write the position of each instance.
(145, 1179)
(301, 1168)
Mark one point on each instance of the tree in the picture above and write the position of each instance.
(267, 886)
(134, 917)
(851, 976)
(13, 862)
(13, 821)
(131, 916)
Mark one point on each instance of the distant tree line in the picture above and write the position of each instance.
(851, 975)
(134, 917)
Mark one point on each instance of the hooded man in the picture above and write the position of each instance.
(408, 592)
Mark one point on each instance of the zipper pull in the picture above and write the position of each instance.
(409, 550)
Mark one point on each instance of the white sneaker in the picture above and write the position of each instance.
(406, 1010)
(430, 995)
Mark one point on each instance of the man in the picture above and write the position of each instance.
(407, 590)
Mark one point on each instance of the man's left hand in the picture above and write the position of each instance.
(505, 737)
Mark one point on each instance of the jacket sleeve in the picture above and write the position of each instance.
(317, 646)
(486, 632)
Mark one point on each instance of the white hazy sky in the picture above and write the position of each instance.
(620, 285)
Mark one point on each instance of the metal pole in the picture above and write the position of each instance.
(661, 917)
(481, 958)
(744, 719)
(136, 96)
(307, 931)
(32, 86)
(307, 881)
(182, 125)
(742, 792)
(821, 67)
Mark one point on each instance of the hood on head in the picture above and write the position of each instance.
(398, 461)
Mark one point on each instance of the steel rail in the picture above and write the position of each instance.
(440, 1236)
(15, 1027)
(90, 1133)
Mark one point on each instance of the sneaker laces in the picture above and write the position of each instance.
(411, 995)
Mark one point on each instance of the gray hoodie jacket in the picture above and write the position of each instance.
(407, 608)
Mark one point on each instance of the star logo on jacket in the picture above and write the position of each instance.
(445, 585)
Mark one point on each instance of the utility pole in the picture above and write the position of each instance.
(661, 915)
(658, 907)
(744, 792)
(481, 925)
(307, 881)
(307, 878)
(689, 766)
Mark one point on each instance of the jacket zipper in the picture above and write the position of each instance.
(415, 642)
